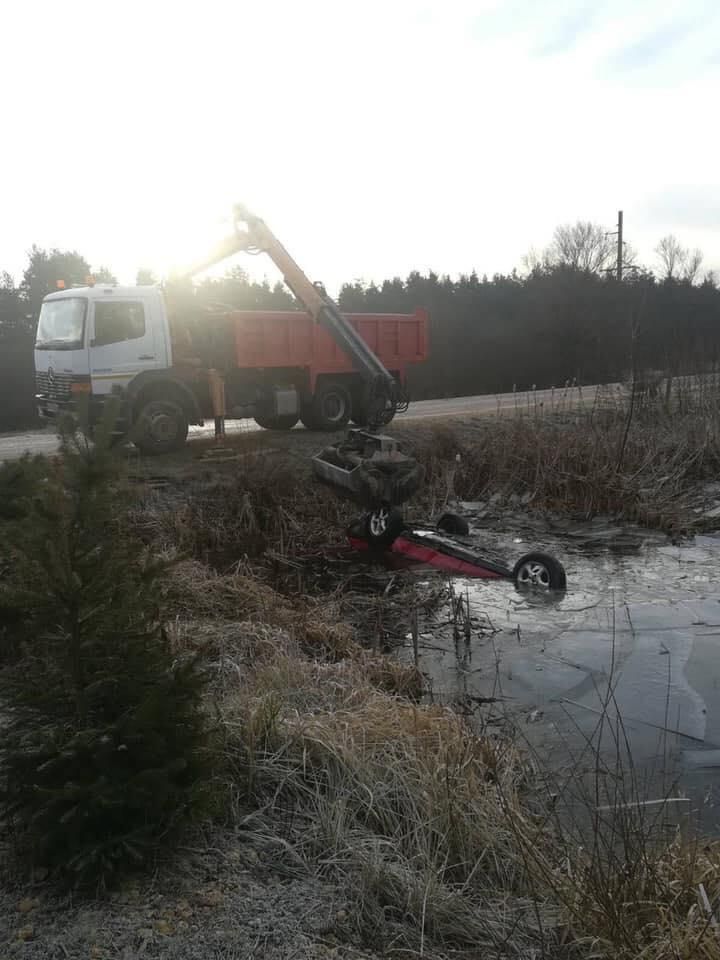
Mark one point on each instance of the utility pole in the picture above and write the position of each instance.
(620, 249)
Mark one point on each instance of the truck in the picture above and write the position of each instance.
(167, 364)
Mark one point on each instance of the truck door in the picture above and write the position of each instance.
(122, 342)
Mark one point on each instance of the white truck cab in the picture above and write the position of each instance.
(105, 341)
(101, 335)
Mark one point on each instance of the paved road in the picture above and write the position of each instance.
(532, 401)
(14, 445)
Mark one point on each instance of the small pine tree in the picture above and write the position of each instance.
(105, 749)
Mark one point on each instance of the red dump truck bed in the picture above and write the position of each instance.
(275, 339)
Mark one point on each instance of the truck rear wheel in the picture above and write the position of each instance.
(361, 418)
(307, 419)
(359, 415)
(330, 407)
(361, 412)
(283, 421)
(161, 427)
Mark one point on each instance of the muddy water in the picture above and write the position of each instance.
(640, 615)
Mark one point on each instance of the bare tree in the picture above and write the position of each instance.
(692, 263)
(671, 255)
(678, 261)
(536, 260)
(583, 245)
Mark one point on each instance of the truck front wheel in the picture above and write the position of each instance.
(161, 427)
(330, 407)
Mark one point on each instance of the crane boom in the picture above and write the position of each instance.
(251, 234)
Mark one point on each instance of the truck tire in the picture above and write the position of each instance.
(161, 427)
(330, 407)
(283, 421)
(359, 415)
(361, 418)
(307, 418)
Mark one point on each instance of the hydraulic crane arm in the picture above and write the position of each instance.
(252, 234)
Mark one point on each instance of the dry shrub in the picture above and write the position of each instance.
(260, 504)
(641, 465)
(651, 909)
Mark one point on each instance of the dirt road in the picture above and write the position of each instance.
(14, 445)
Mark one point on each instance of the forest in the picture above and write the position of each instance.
(565, 316)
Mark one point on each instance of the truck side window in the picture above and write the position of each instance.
(115, 322)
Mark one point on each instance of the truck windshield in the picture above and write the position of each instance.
(62, 324)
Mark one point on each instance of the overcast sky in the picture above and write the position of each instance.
(374, 137)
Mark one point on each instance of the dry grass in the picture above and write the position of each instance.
(644, 463)
(195, 591)
(258, 507)
(398, 803)
(440, 837)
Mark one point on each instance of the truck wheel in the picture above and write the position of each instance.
(284, 421)
(307, 419)
(330, 409)
(359, 417)
(161, 427)
(359, 414)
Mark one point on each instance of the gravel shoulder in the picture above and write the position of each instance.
(225, 900)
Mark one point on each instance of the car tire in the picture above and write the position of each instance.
(454, 524)
(383, 525)
(539, 571)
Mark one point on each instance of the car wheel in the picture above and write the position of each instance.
(539, 571)
(383, 525)
(452, 523)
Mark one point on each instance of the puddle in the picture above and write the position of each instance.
(639, 612)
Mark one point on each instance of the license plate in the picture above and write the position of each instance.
(51, 406)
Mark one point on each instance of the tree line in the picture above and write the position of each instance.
(565, 317)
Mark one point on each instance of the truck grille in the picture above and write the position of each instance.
(55, 387)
